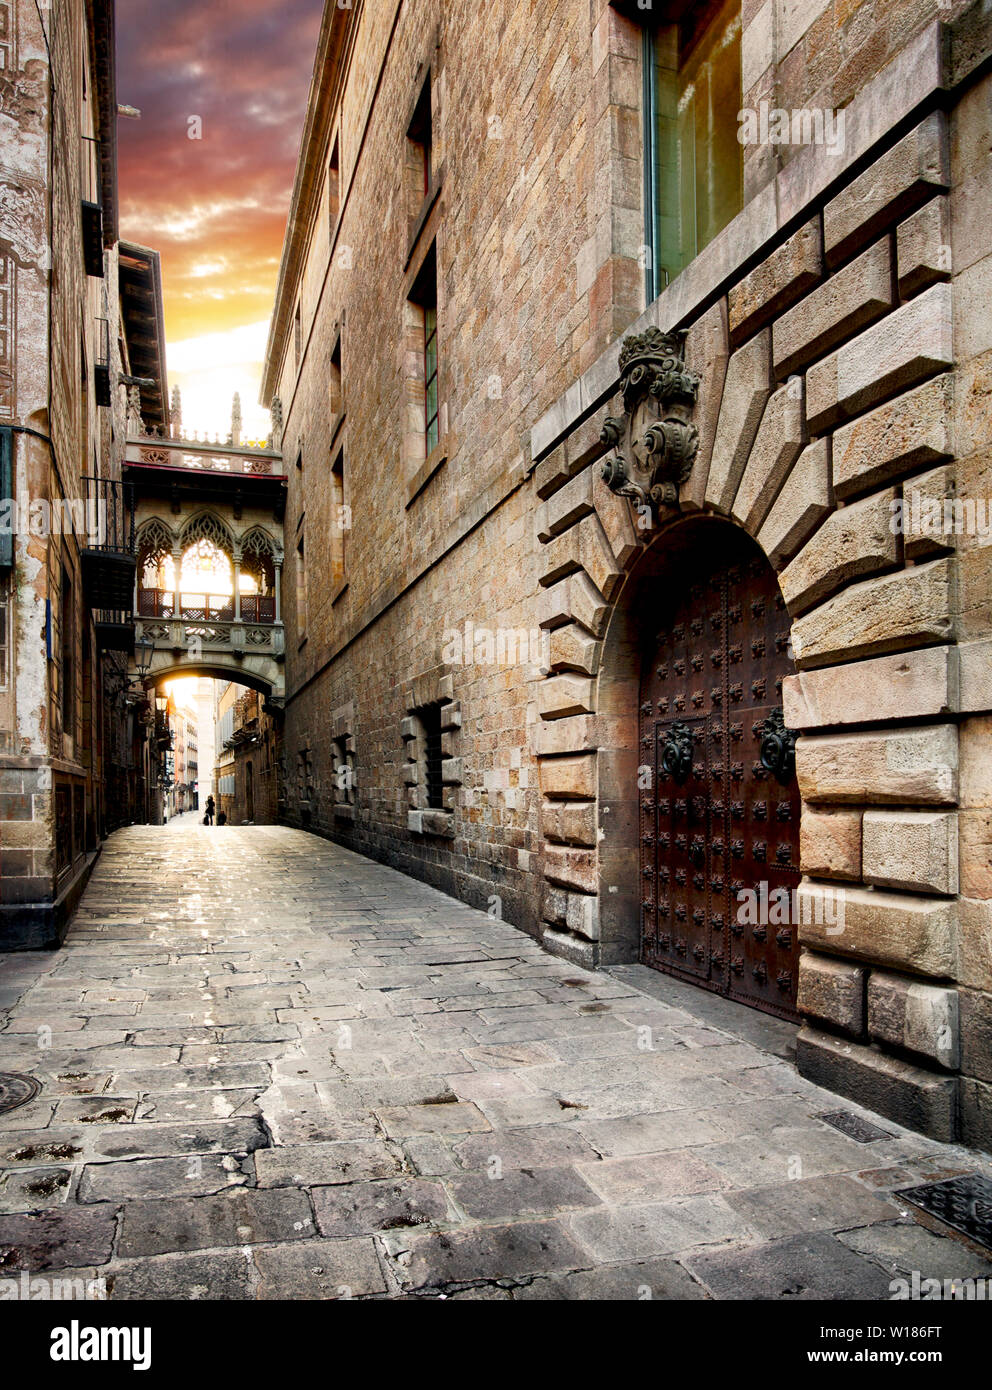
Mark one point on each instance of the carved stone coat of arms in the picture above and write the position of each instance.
(655, 441)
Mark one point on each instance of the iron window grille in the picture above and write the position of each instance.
(430, 721)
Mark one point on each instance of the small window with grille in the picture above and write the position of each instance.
(430, 720)
(4, 639)
(343, 760)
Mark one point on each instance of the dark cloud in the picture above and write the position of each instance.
(215, 207)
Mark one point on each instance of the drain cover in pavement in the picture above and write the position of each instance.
(854, 1126)
(16, 1090)
(964, 1203)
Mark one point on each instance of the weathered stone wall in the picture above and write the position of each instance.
(838, 330)
(50, 750)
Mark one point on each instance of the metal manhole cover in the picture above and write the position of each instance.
(964, 1203)
(16, 1090)
(862, 1131)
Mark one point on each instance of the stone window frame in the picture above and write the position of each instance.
(342, 748)
(340, 520)
(421, 464)
(432, 688)
(305, 786)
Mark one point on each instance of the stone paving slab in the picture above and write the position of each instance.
(336, 1082)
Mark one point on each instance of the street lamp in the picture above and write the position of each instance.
(144, 649)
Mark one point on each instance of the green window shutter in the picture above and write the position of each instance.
(6, 498)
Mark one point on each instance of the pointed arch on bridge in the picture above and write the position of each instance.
(206, 525)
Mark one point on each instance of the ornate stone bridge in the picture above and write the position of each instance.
(209, 543)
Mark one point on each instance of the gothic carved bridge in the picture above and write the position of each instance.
(209, 544)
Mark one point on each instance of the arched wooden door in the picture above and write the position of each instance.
(719, 831)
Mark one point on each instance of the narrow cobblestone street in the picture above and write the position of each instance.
(273, 1069)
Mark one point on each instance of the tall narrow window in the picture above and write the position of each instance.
(430, 376)
(333, 188)
(301, 589)
(67, 636)
(340, 518)
(334, 385)
(693, 160)
(298, 337)
(420, 135)
(425, 295)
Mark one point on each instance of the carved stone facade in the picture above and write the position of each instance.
(821, 363)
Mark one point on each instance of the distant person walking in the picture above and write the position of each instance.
(208, 819)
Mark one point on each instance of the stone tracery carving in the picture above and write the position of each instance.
(655, 440)
(206, 526)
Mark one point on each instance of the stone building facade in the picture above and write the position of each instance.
(250, 747)
(65, 576)
(637, 441)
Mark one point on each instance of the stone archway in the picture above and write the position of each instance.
(697, 648)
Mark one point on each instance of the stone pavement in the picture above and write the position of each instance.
(274, 1069)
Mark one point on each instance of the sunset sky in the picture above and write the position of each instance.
(214, 207)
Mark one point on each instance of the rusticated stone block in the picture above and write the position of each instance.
(707, 351)
(975, 852)
(551, 473)
(570, 822)
(616, 519)
(909, 933)
(565, 507)
(976, 1113)
(778, 444)
(911, 1096)
(800, 506)
(570, 947)
(905, 176)
(920, 1018)
(564, 695)
(583, 446)
(931, 515)
(976, 761)
(974, 965)
(437, 823)
(582, 915)
(917, 765)
(908, 433)
(571, 648)
(571, 779)
(745, 392)
(554, 904)
(830, 843)
(911, 849)
(570, 868)
(583, 547)
(574, 599)
(777, 282)
(901, 350)
(854, 541)
(976, 1033)
(905, 609)
(845, 304)
(923, 247)
(832, 991)
(908, 685)
(573, 734)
